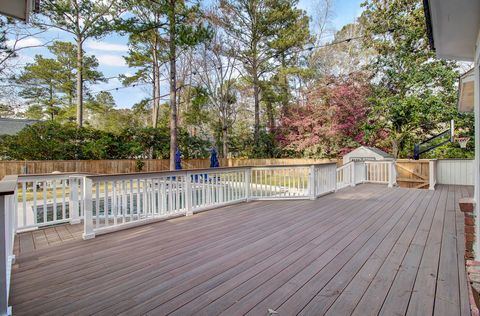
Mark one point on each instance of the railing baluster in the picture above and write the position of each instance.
(64, 207)
(97, 204)
(106, 204)
(24, 203)
(130, 213)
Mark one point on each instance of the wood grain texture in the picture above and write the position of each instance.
(366, 250)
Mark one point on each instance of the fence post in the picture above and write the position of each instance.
(392, 176)
(311, 182)
(432, 176)
(73, 202)
(352, 174)
(188, 194)
(88, 232)
(248, 180)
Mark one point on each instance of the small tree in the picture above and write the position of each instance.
(332, 121)
(215, 67)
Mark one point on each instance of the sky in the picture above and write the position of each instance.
(110, 49)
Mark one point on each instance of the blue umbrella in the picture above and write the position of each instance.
(178, 160)
(213, 158)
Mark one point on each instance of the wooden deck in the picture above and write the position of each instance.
(366, 250)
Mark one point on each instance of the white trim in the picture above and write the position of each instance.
(476, 111)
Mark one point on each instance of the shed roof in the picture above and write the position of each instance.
(10, 126)
(374, 150)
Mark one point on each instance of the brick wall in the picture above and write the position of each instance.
(467, 206)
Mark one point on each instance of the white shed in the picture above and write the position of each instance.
(363, 153)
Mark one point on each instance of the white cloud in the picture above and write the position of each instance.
(105, 46)
(26, 42)
(111, 60)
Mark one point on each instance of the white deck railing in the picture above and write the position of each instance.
(380, 171)
(48, 199)
(113, 202)
(353, 173)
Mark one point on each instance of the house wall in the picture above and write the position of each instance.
(477, 147)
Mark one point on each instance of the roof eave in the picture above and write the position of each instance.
(428, 22)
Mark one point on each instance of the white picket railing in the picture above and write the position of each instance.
(324, 179)
(356, 172)
(48, 199)
(345, 175)
(114, 202)
(280, 182)
(380, 171)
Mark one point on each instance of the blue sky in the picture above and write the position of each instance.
(110, 49)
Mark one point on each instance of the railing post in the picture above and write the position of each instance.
(188, 194)
(432, 176)
(392, 177)
(248, 180)
(88, 232)
(4, 309)
(73, 202)
(311, 182)
(352, 174)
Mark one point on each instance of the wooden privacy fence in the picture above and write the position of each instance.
(8, 167)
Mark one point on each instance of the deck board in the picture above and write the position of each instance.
(367, 250)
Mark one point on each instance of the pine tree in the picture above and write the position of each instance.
(181, 26)
(83, 19)
(264, 35)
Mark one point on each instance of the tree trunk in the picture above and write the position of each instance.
(396, 144)
(156, 92)
(225, 136)
(284, 87)
(256, 96)
(270, 116)
(50, 105)
(173, 85)
(79, 82)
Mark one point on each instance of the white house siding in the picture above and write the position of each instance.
(477, 145)
(458, 172)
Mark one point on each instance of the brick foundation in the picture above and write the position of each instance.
(473, 276)
(467, 206)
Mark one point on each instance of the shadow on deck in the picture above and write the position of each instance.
(366, 250)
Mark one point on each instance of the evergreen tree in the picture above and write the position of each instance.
(415, 93)
(265, 35)
(181, 26)
(41, 80)
(83, 19)
(49, 83)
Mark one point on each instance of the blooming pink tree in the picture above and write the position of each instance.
(333, 120)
